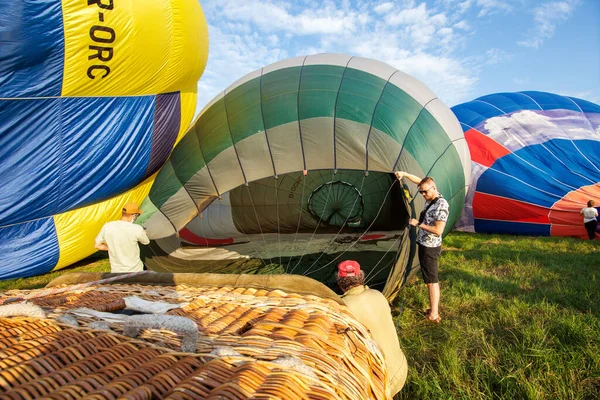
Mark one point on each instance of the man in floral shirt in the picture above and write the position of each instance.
(431, 225)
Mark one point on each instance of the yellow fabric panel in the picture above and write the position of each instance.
(132, 48)
(189, 52)
(188, 108)
(77, 229)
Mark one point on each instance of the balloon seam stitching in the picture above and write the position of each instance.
(262, 115)
(337, 96)
(373, 118)
(298, 109)
(231, 136)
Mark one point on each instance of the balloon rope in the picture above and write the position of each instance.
(340, 230)
(238, 225)
(50, 292)
(316, 227)
(258, 222)
(362, 234)
(381, 258)
(278, 229)
(300, 212)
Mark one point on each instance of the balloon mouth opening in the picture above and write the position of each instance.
(295, 224)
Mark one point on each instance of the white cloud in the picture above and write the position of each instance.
(489, 7)
(496, 56)
(410, 16)
(272, 16)
(451, 80)
(484, 7)
(546, 18)
(521, 81)
(383, 8)
(462, 25)
(232, 56)
(420, 39)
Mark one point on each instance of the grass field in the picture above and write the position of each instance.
(521, 320)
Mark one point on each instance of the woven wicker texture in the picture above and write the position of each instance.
(252, 343)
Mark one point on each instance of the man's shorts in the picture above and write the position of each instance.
(428, 258)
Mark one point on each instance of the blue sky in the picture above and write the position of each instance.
(461, 49)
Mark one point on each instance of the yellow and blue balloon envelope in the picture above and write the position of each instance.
(93, 97)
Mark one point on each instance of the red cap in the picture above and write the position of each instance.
(348, 268)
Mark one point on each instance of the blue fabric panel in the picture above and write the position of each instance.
(511, 228)
(30, 159)
(509, 102)
(464, 127)
(591, 150)
(167, 120)
(559, 159)
(501, 184)
(28, 249)
(586, 106)
(520, 169)
(59, 154)
(572, 164)
(474, 112)
(549, 101)
(106, 147)
(31, 48)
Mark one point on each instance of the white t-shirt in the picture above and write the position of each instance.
(122, 239)
(589, 214)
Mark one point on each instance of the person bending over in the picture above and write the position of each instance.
(372, 309)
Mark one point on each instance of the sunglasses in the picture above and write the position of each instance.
(425, 191)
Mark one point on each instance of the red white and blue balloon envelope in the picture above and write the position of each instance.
(535, 163)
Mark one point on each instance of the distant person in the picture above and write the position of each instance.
(120, 238)
(372, 309)
(431, 224)
(589, 219)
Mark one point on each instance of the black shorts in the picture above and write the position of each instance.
(428, 258)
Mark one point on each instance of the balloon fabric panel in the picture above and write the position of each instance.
(538, 157)
(32, 48)
(28, 249)
(94, 95)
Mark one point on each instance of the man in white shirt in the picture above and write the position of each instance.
(120, 238)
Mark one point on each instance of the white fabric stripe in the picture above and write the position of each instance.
(158, 226)
(327, 59)
(216, 222)
(285, 148)
(317, 136)
(351, 144)
(383, 151)
(177, 206)
(466, 223)
(373, 67)
(254, 157)
(180, 208)
(446, 118)
(413, 87)
(225, 170)
(201, 187)
(288, 63)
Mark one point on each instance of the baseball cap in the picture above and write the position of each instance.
(348, 268)
(131, 208)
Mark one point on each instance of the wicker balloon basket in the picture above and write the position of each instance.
(213, 342)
